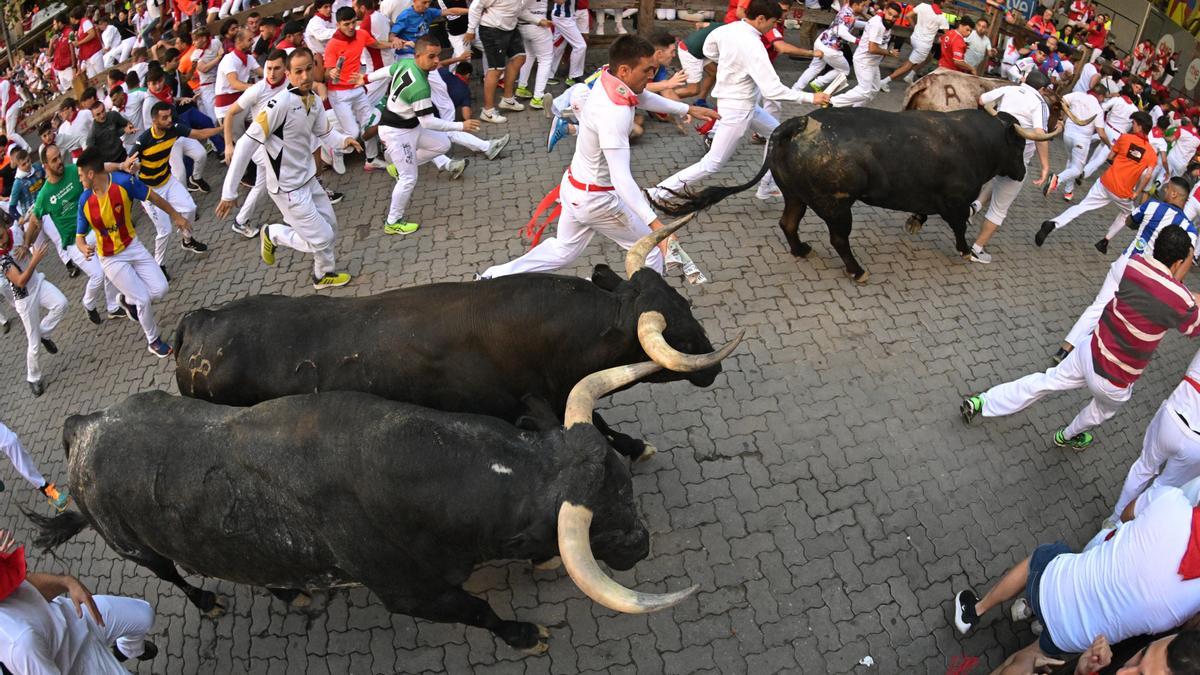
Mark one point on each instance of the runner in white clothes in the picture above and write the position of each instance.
(830, 42)
(744, 73)
(1117, 113)
(12, 100)
(252, 101)
(598, 192)
(539, 47)
(235, 74)
(445, 111)
(27, 469)
(1183, 150)
(206, 56)
(284, 134)
(38, 302)
(872, 47)
(929, 21)
(1078, 139)
(568, 34)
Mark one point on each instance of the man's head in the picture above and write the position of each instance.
(1048, 15)
(427, 53)
(77, 15)
(1141, 122)
(981, 26)
(364, 6)
(299, 69)
(269, 27)
(1176, 191)
(241, 41)
(68, 108)
(46, 133)
(420, 6)
(156, 80)
(857, 6)
(1172, 247)
(170, 60)
(664, 48)
(161, 116)
(253, 22)
(91, 168)
(347, 21)
(102, 21)
(964, 27)
(228, 28)
(98, 112)
(22, 158)
(324, 9)
(1177, 654)
(293, 32)
(891, 13)
(1052, 44)
(631, 60)
(119, 99)
(200, 38)
(139, 54)
(52, 160)
(115, 78)
(763, 14)
(274, 70)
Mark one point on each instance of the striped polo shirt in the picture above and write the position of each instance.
(1148, 303)
(1150, 218)
(110, 213)
(153, 148)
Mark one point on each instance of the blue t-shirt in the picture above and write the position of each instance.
(24, 191)
(411, 26)
(459, 92)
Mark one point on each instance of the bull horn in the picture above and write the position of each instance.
(583, 396)
(650, 334)
(575, 548)
(1031, 135)
(1076, 120)
(636, 258)
(990, 106)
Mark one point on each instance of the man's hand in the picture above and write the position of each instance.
(130, 165)
(702, 113)
(228, 154)
(40, 252)
(334, 74)
(224, 207)
(894, 52)
(82, 245)
(396, 42)
(679, 79)
(182, 224)
(358, 80)
(351, 143)
(468, 39)
(471, 125)
(81, 596)
(546, 23)
(1096, 657)
(821, 98)
(1045, 175)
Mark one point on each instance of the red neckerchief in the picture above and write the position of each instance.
(1127, 99)
(617, 90)
(241, 55)
(1157, 133)
(1189, 566)
(163, 95)
(937, 9)
(466, 80)
(285, 45)
(339, 35)
(12, 571)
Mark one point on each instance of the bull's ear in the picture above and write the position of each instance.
(605, 278)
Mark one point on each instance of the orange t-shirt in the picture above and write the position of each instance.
(352, 48)
(1134, 156)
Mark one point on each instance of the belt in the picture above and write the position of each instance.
(228, 98)
(586, 187)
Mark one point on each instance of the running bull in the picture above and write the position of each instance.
(920, 162)
(501, 347)
(338, 489)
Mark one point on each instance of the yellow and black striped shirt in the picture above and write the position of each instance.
(154, 151)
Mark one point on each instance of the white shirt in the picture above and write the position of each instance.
(110, 38)
(1026, 105)
(210, 52)
(977, 48)
(875, 32)
(392, 8)
(502, 14)
(133, 111)
(744, 70)
(47, 638)
(380, 29)
(141, 68)
(254, 99)
(317, 33)
(1184, 149)
(1128, 585)
(441, 96)
(929, 22)
(80, 127)
(1118, 112)
(242, 72)
(1083, 106)
(1185, 399)
(1086, 73)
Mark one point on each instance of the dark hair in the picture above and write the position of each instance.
(137, 53)
(369, 4)
(229, 23)
(763, 8)
(115, 75)
(425, 42)
(983, 19)
(895, 7)
(1142, 119)
(132, 80)
(464, 68)
(78, 12)
(661, 39)
(254, 15)
(45, 150)
(1171, 245)
(1183, 653)
(293, 27)
(90, 92)
(170, 55)
(296, 53)
(345, 14)
(18, 153)
(627, 50)
(45, 127)
(159, 107)
(276, 54)
(1181, 183)
(91, 160)
(156, 76)
(321, 3)
(200, 32)
(271, 21)
(68, 103)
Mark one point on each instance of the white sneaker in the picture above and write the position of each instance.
(375, 164)
(764, 193)
(885, 84)
(980, 256)
(456, 168)
(493, 117)
(1020, 611)
(495, 146)
(910, 77)
(511, 104)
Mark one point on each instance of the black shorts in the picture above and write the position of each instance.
(500, 45)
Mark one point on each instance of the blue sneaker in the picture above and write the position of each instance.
(160, 348)
(558, 131)
(701, 103)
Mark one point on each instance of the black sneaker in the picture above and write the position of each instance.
(94, 317)
(72, 270)
(1047, 227)
(193, 245)
(198, 185)
(118, 313)
(1102, 246)
(149, 651)
(965, 617)
(37, 388)
(335, 197)
(164, 271)
(131, 312)
(49, 345)
(1060, 355)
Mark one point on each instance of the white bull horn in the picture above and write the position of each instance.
(583, 396)
(1031, 135)
(575, 548)
(990, 106)
(636, 258)
(650, 334)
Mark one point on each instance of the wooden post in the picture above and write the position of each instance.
(646, 17)
(8, 43)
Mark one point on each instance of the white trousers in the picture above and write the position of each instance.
(231, 7)
(1003, 191)
(569, 31)
(1078, 336)
(206, 96)
(66, 79)
(728, 132)
(139, 278)
(1075, 372)
(310, 215)
(539, 46)
(867, 74)
(95, 64)
(466, 140)
(583, 215)
(1099, 156)
(193, 150)
(835, 59)
(352, 107)
(1077, 151)
(1098, 197)
(1177, 165)
(20, 459)
(120, 53)
(11, 115)
(96, 283)
(252, 197)
(1170, 453)
(179, 199)
(40, 310)
(126, 623)
(408, 149)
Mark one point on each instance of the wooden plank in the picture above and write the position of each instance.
(646, 17)
(688, 5)
(276, 8)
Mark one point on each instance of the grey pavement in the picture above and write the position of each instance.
(823, 492)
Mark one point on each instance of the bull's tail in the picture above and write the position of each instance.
(57, 530)
(698, 201)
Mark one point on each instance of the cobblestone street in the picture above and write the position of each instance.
(824, 492)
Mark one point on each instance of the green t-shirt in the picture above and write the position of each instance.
(408, 96)
(60, 201)
(694, 41)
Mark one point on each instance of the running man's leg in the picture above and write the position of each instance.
(1012, 397)
(126, 622)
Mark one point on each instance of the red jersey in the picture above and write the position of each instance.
(954, 48)
(352, 49)
(1081, 11)
(63, 56)
(87, 49)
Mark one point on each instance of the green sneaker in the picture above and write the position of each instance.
(393, 172)
(816, 88)
(571, 82)
(331, 280)
(536, 103)
(400, 228)
(1079, 441)
(266, 247)
(524, 92)
(971, 406)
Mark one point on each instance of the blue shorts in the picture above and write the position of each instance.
(1038, 562)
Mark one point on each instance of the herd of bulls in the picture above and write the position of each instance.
(394, 442)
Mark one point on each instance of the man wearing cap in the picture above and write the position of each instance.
(52, 624)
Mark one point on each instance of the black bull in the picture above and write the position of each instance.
(337, 489)
(919, 162)
(504, 347)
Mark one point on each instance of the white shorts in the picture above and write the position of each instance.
(693, 67)
(920, 52)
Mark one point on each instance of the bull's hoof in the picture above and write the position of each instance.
(301, 601)
(217, 610)
(913, 225)
(647, 452)
(802, 250)
(547, 564)
(537, 641)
